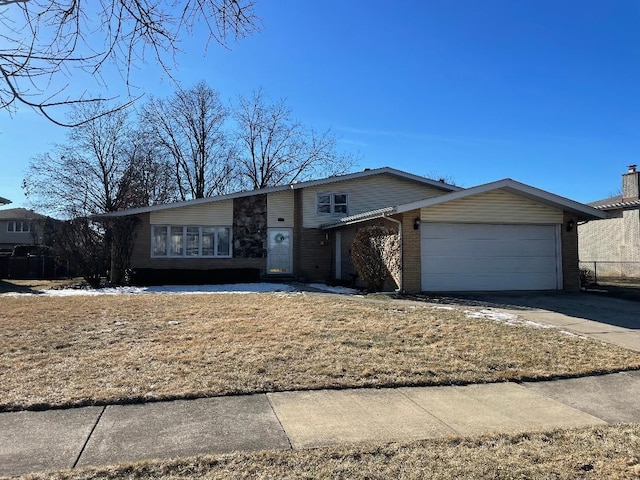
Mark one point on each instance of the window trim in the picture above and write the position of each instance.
(332, 203)
(22, 224)
(185, 255)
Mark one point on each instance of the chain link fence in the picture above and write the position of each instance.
(593, 272)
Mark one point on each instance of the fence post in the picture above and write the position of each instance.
(595, 273)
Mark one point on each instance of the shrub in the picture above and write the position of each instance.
(586, 277)
(376, 256)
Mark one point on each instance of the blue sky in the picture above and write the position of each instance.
(544, 92)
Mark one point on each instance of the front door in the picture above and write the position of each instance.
(280, 252)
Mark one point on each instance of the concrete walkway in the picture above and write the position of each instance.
(612, 320)
(59, 439)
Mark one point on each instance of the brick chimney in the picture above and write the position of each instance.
(631, 184)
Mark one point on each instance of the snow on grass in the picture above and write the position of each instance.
(241, 288)
(513, 320)
(506, 318)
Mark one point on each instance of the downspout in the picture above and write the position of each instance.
(399, 223)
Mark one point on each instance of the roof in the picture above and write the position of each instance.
(20, 214)
(614, 203)
(293, 186)
(4, 201)
(582, 211)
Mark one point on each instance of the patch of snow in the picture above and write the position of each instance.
(515, 320)
(443, 307)
(240, 288)
(327, 288)
(508, 318)
(173, 322)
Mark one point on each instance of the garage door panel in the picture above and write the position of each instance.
(505, 265)
(469, 248)
(488, 231)
(458, 257)
(458, 282)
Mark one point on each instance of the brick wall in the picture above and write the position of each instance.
(569, 240)
(313, 249)
(411, 268)
(141, 257)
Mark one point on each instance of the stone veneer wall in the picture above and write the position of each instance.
(250, 226)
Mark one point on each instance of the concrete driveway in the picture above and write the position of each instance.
(609, 319)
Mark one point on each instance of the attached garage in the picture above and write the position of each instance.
(499, 236)
(472, 257)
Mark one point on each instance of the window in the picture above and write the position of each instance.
(190, 241)
(333, 203)
(18, 227)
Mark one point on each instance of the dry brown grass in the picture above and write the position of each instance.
(607, 452)
(63, 351)
(37, 285)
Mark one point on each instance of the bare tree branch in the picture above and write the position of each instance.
(189, 127)
(103, 166)
(275, 149)
(46, 42)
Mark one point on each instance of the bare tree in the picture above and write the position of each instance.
(104, 166)
(190, 128)
(46, 42)
(275, 149)
(148, 178)
(83, 176)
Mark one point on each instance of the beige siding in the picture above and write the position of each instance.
(9, 239)
(365, 194)
(492, 207)
(214, 213)
(280, 205)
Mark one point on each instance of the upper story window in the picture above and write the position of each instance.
(333, 203)
(18, 226)
(190, 241)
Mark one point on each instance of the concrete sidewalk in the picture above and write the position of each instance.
(58, 439)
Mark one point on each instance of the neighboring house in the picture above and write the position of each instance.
(611, 246)
(499, 236)
(19, 226)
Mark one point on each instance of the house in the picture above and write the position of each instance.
(19, 226)
(502, 235)
(611, 246)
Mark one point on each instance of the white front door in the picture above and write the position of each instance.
(279, 251)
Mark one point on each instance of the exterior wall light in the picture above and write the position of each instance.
(416, 223)
(570, 225)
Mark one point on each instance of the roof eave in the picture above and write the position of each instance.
(359, 218)
(582, 211)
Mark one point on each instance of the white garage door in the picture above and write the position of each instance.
(467, 257)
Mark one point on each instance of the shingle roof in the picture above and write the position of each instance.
(614, 203)
(294, 186)
(20, 214)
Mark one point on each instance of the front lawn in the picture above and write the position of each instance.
(64, 351)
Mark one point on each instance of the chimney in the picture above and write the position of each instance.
(631, 184)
